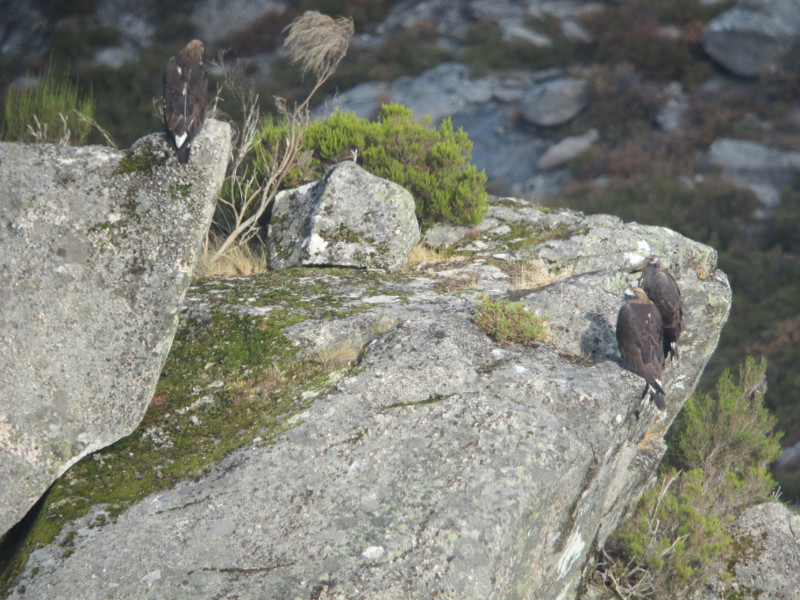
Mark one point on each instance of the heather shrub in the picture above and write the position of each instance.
(433, 164)
(676, 540)
(673, 543)
(730, 437)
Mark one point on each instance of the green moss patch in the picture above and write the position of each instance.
(132, 163)
(231, 378)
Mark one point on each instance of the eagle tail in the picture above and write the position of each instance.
(183, 154)
(657, 393)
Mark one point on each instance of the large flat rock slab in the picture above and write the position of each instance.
(442, 464)
(97, 248)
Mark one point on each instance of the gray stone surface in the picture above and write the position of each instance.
(670, 115)
(560, 153)
(766, 564)
(757, 166)
(94, 264)
(349, 218)
(445, 465)
(771, 570)
(754, 37)
(555, 102)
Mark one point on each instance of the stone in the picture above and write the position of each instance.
(754, 37)
(555, 102)
(365, 100)
(670, 114)
(98, 249)
(754, 165)
(766, 561)
(349, 218)
(559, 154)
(445, 465)
(771, 568)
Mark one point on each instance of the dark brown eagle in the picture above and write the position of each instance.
(185, 87)
(639, 335)
(661, 288)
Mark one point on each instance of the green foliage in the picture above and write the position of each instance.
(731, 438)
(434, 165)
(47, 113)
(510, 322)
(674, 542)
(676, 539)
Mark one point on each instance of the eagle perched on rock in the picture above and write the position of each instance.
(661, 288)
(640, 333)
(185, 88)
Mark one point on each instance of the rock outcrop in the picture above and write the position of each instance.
(555, 102)
(770, 564)
(754, 37)
(442, 464)
(348, 218)
(98, 249)
(761, 168)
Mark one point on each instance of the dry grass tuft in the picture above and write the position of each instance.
(334, 358)
(426, 259)
(238, 261)
(270, 378)
(318, 42)
(535, 273)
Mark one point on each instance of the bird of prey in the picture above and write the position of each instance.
(639, 335)
(661, 288)
(185, 88)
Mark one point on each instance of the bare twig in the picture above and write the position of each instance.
(96, 125)
(318, 43)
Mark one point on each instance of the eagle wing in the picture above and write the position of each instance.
(639, 328)
(185, 89)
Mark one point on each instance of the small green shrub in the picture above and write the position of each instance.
(676, 539)
(434, 165)
(674, 542)
(47, 113)
(731, 438)
(510, 322)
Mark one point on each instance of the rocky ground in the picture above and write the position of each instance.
(412, 455)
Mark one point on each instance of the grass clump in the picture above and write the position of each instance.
(717, 465)
(240, 261)
(52, 112)
(510, 322)
(433, 164)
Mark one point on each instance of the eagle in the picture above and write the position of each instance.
(185, 88)
(661, 288)
(640, 333)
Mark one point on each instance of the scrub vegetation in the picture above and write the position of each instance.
(717, 464)
(53, 111)
(434, 164)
